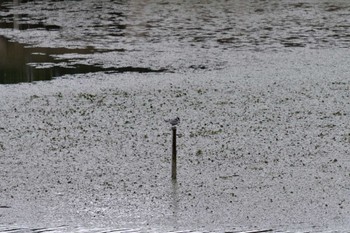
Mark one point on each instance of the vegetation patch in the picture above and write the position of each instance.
(205, 132)
(199, 152)
(338, 114)
(347, 137)
(87, 96)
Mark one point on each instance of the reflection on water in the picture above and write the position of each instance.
(22, 63)
(175, 203)
(26, 26)
(194, 29)
(15, 59)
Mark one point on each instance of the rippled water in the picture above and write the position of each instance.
(101, 230)
(175, 36)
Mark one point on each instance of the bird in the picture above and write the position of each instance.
(174, 121)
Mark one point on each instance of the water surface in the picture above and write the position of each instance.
(44, 40)
(163, 35)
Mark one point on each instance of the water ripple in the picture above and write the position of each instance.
(66, 229)
(177, 34)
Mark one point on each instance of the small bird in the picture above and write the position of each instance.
(174, 121)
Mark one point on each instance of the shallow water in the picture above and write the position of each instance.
(25, 63)
(253, 155)
(164, 35)
(127, 184)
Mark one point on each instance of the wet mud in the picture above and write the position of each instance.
(261, 87)
(261, 147)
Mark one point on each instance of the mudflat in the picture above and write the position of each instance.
(263, 145)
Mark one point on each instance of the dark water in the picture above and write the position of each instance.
(24, 63)
(176, 35)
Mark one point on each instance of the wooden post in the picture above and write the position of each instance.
(173, 160)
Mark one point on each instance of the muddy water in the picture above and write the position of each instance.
(160, 35)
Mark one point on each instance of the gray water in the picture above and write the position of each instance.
(157, 35)
(44, 40)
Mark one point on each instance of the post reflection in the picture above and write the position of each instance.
(175, 203)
